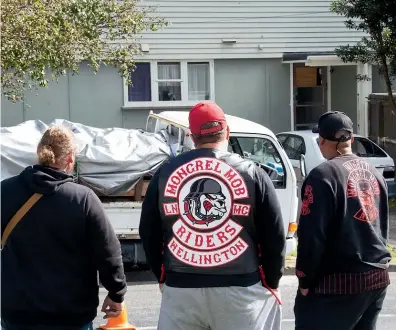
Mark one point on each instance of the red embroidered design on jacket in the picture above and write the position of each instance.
(363, 186)
(307, 199)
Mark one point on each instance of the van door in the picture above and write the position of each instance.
(265, 150)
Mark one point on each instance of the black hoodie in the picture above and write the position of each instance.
(50, 261)
(343, 228)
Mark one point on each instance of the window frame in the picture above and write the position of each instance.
(155, 103)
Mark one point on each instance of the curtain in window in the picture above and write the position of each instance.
(198, 81)
(169, 89)
(169, 71)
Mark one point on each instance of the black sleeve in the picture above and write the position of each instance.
(150, 228)
(270, 229)
(317, 209)
(106, 249)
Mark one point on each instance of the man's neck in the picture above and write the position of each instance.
(342, 152)
(59, 168)
(218, 146)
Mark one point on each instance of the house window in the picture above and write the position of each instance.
(140, 90)
(170, 83)
(198, 81)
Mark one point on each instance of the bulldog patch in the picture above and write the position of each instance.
(204, 191)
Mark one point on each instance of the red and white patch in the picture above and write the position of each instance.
(171, 209)
(212, 167)
(208, 259)
(206, 240)
(206, 202)
(204, 191)
(363, 185)
(241, 210)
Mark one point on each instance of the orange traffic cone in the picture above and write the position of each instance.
(119, 323)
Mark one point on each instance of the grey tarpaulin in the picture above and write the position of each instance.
(109, 160)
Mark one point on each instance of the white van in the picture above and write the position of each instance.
(249, 139)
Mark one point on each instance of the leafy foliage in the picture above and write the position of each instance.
(44, 38)
(377, 18)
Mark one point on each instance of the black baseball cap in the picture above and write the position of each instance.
(331, 123)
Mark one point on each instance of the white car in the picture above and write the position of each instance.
(302, 148)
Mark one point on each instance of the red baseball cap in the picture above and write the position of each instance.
(203, 113)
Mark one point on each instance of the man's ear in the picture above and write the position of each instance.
(352, 139)
(228, 133)
(321, 141)
(70, 159)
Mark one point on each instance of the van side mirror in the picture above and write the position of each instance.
(303, 167)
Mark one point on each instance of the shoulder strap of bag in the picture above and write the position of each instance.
(18, 216)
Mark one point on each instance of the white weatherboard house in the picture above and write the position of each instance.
(271, 62)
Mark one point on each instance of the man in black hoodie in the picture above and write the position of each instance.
(212, 230)
(342, 258)
(51, 258)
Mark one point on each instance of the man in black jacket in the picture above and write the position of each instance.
(210, 222)
(342, 258)
(51, 258)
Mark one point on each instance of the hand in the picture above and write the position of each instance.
(304, 292)
(111, 308)
(161, 287)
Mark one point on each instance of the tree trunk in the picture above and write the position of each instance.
(388, 83)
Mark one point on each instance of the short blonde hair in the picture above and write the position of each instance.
(56, 144)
